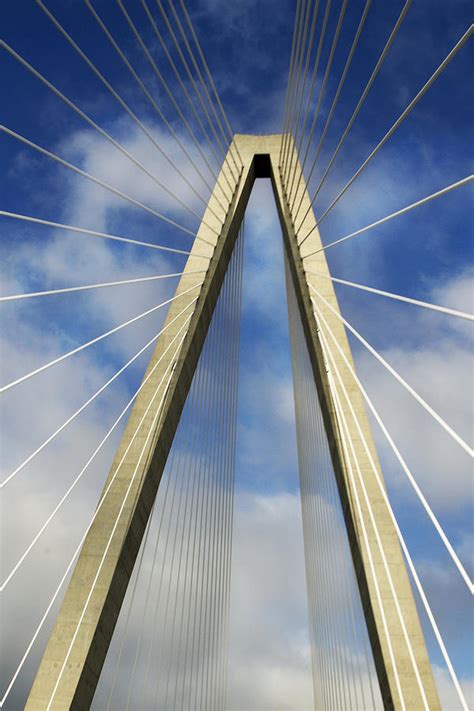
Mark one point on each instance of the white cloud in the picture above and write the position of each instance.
(270, 664)
(447, 693)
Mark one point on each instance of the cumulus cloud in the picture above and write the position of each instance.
(270, 663)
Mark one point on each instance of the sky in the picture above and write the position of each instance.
(426, 254)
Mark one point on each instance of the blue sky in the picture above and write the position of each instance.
(426, 254)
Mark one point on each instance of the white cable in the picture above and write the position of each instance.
(94, 340)
(402, 211)
(91, 399)
(404, 465)
(103, 184)
(76, 552)
(383, 492)
(402, 116)
(98, 448)
(397, 297)
(399, 378)
(69, 289)
(93, 233)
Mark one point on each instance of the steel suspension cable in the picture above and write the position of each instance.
(377, 588)
(93, 341)
(315, 69)
(186, 501)
(392, 514)
(336, 636)
(209, 355)
(214, 406)
(234, 440)
(406, 112)
(173, 472)
(347, 442)
(397, 297)
(355, 113)
(220, 532)
(171, 484)
(402, 211)
(179, 474)
(405, 468)
(193, 526)
(203, 547)
(93, 233)
(69, 289)
(323, 566)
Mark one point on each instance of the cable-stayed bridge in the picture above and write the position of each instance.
(137, 615)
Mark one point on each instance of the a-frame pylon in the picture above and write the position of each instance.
(73, 659)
